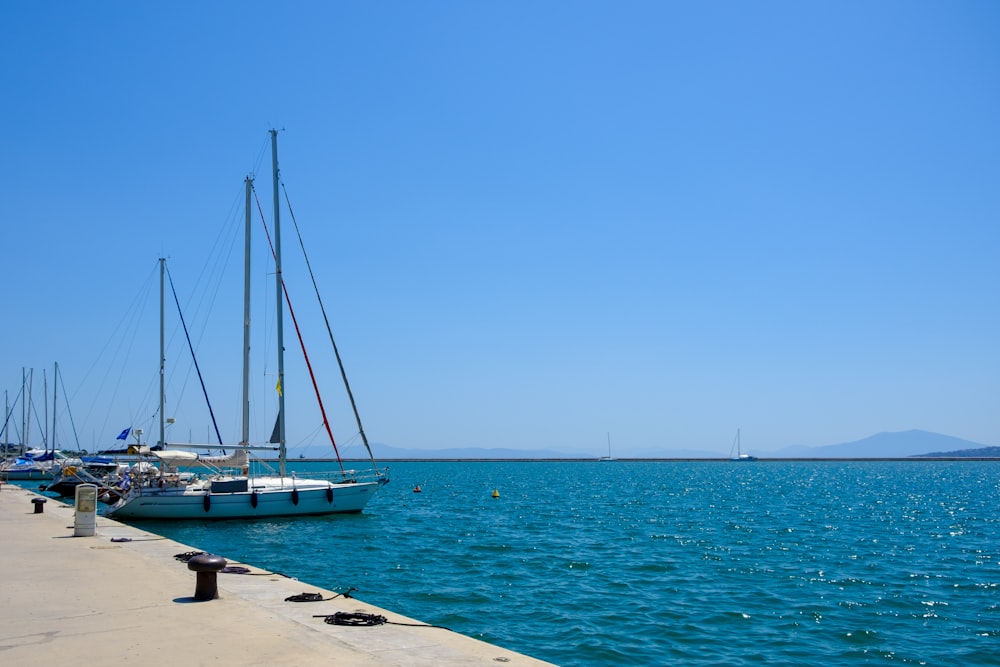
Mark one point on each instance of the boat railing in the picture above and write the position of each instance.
(347, 476)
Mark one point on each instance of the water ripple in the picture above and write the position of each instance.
(797, 563)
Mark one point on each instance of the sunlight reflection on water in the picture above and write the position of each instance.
(647, 563)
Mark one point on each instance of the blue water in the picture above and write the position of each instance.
(655, 563)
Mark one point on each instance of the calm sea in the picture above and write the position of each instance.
(657, 563)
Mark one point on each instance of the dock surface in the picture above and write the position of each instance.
(121, 597)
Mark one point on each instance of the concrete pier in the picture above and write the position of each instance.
(120, 597)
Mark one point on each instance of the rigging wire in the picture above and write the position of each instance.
(193, 358)
(107, 359)
(59, 378)
(298, 331)
(205, 295)
(10, 412)
(336, 351)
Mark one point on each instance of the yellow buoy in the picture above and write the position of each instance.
(496, 493)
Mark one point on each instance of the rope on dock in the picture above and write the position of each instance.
(233, 569)
(354, 619)
(360, 619)
(318, 597)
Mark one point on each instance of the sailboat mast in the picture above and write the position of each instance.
(31, 406)
(245, 438)
(55, 396)
(45, 397)
(280, 307)
(24, 408)
(163, 264)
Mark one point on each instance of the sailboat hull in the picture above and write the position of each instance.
(266, 497)
(27, 474)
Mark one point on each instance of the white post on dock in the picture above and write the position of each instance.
(85, 524)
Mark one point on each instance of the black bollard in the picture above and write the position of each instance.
(207, 566)
(39, 504)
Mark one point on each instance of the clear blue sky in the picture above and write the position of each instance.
(534, 223)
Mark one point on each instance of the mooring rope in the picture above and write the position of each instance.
(232, 569)
(188, 555)
(318, 597)
(355, 619)
(361, 619)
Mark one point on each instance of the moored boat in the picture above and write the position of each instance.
(102, 471)
(225, 487)
(33, 464)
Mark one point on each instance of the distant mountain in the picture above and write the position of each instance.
(899, 444)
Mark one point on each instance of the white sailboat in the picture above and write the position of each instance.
(239, 494)
(608, 457)
(739, 455)
(40, 464)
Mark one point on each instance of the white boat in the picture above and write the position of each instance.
(34, 464)
(105, 472)
(736, 454)
(240, 493)
(608, 457)
(40, 464)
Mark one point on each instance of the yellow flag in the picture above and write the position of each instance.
(278, 386)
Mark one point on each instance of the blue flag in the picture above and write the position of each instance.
(124, 434)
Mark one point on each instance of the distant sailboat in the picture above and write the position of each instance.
(608, 457)
(735, 454)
